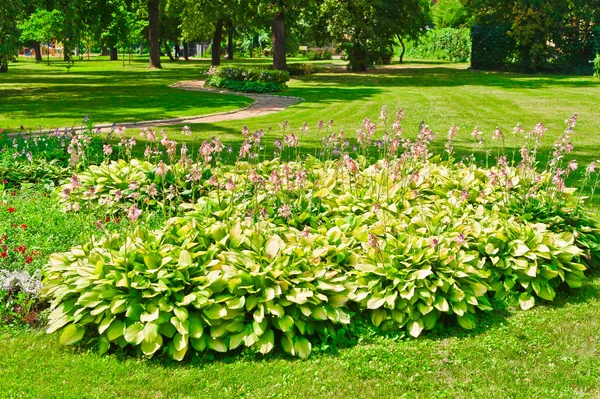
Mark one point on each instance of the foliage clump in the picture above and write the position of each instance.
(257, 80)
(289, 251)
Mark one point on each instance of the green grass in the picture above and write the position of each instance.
(550, 351)
(36, 95)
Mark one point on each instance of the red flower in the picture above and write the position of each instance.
(24, 226)
(3, 254)
(29, 259)
(11, 210)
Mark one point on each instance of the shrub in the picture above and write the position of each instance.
(319, 55)
(444, 44)
(253, 87)
(248, 79)
(302, 69)
(597, 66)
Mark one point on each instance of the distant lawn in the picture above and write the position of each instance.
(440, 94)
(36, 95)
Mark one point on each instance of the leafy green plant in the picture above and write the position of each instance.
(451, 44)
(250, 74)
(597, 66)
(212, 286)
(302, 69)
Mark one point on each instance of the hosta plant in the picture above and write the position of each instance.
(215, 286)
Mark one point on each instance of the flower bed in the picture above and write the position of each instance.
(284, 253)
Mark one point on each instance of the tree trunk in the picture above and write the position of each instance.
(229, 39)
(278, 35)
(104, 51)
(177, 51)
(114, 54)
(3, 65)
(403, 49)
(168, 50)
(66, 53)
(186, 54)
(216, 44)
(38, 51)
(153, 12)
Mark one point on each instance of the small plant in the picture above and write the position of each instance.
(597, 66)
(19, 303)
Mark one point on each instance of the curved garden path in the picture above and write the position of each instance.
(264, 104)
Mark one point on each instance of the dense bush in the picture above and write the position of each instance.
(250, 74)
(35, 158)
(448, 44)
(302, 69)
(549, 36)
(597, 66)
(492, 47)
(247, 79)
(319, 55)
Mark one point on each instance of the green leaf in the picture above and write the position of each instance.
(150, 348)
(286, 323)
(217, 344)
(302, 348)
(71, 334)
(422, 274)
(266, 342)
(134, 333)
(115, 330)
(415, 327)
(467, 321)
(150, 332)
(526, 301)
(103, 345)
(185, 259)
(272, 248)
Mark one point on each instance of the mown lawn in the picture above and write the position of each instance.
(551, 351)
(36, 95)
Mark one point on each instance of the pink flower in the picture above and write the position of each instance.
(373, 241)
(230, 185)
(498, 135)
(572, 165)
(107, 149)
(134, 213)
(461, 240)
(74, 182)
(186, 131)
(284, 211)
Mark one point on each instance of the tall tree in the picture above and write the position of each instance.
(42, 26)
(153, 33)
(10, 11)
(205, 20)
(366, 29)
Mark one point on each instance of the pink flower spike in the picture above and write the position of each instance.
(134, 213)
